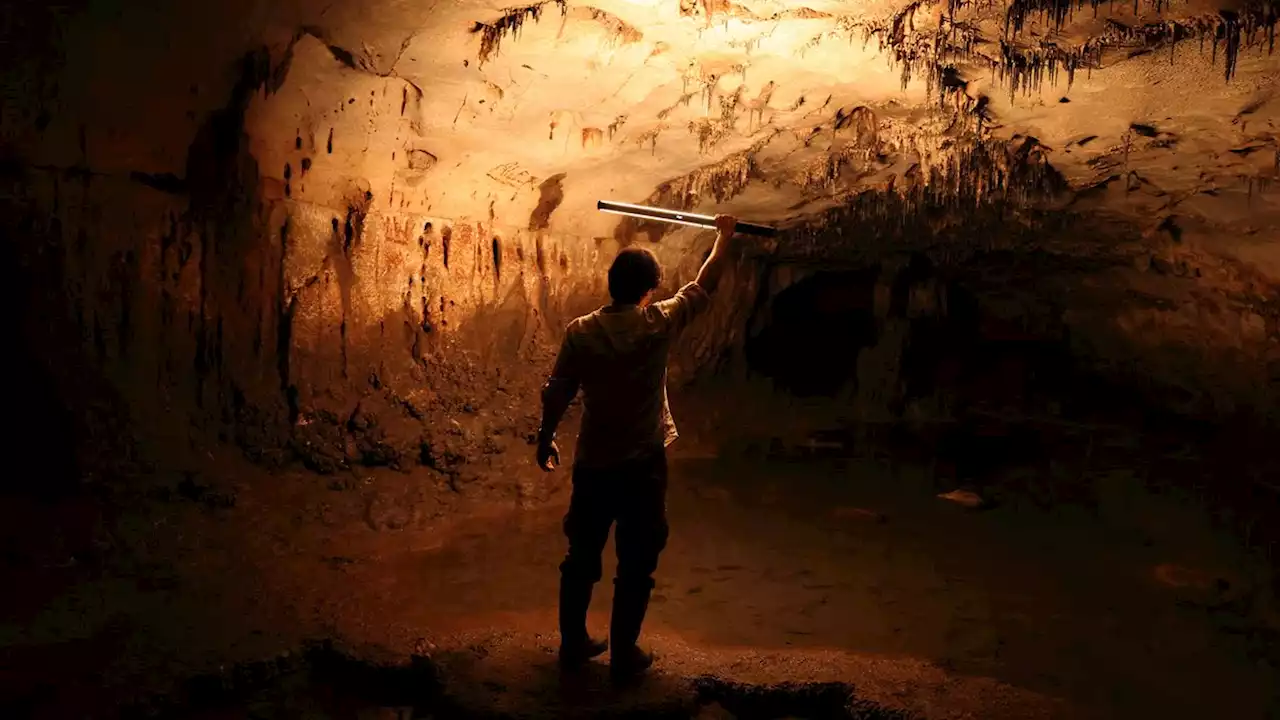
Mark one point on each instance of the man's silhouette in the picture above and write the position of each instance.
(617, 356)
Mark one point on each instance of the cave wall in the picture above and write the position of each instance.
(248, 251)
(234, 220)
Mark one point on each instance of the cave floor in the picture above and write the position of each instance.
(781, 571)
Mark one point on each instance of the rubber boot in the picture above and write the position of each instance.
(576, 646)
(630, 603)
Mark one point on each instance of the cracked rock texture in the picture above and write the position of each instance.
(350, 233)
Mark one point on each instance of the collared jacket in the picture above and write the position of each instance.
(617, 357)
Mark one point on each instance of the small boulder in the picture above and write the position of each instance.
(966, 498)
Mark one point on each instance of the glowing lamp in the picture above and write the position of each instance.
(706, 222)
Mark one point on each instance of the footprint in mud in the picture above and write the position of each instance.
(696, 589)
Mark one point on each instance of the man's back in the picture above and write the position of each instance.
(618, 355)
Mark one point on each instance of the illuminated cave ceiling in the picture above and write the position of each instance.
(777, 110)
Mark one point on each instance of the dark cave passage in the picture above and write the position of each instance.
(968, 369)
(814, 332)
(944, 342)
(47, 398)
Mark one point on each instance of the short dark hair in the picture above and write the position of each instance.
(634, 272)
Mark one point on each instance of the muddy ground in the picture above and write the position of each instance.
(807, 579)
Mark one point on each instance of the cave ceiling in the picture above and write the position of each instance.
(779, 111)
(338, 182)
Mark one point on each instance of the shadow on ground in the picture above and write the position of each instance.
(324, 681)
(827, 587)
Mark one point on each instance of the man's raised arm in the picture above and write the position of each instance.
(714, 266)
(694, 298)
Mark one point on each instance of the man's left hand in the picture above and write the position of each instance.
(726, 225)
(548, 456)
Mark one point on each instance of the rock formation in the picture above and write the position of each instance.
(350, 233)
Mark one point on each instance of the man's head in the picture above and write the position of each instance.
(634, 275)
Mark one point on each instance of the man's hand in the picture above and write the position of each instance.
(548, 455)
(713, 267)
(726, 224)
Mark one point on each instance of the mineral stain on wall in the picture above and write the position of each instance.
(550, 196)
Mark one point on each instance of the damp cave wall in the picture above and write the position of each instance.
(198, 251)
(229, 229)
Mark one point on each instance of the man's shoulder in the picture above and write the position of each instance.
(691, 295)
(693, 290)
(581, 324)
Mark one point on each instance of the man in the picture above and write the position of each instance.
(617, 356)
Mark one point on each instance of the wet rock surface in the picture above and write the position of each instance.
(833, 585)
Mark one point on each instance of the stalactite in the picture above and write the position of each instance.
(709, 133)
(616, 125)
(721, 181)
(682, 101)
(813, 42)
(709, 90)
(651, 137)
(959, 171)
(823, 172)
(1058, 12)
(729, 107)
(620, 32)
(512, 20)
(971, 179)
(1025, 67)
